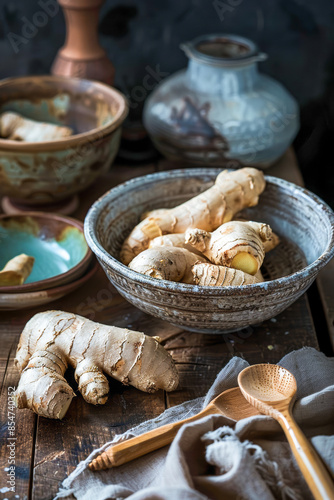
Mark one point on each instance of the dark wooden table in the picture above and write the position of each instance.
(47, 451)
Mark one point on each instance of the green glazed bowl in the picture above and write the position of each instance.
(56, 242)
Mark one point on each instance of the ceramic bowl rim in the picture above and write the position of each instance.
(308, 271)
(77, 139)
(62, 289)
(60, 279)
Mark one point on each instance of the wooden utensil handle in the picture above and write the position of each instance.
(314, 471)
(138, 446)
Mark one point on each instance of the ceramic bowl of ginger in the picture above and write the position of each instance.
(207, 251)
(57, 135)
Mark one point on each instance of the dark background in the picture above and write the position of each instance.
(298, 37)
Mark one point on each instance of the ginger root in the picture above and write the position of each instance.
(234, 244)
(51, 340)
(167, 263)
(212, 275)
(17, 270)
(271, 243)
(231, 192)
(17, 128)
(154, 213)
(173, 240)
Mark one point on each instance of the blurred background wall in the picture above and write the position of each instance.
(297, 35)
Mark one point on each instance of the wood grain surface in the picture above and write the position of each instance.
(47, 450)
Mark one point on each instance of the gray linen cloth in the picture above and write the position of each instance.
(216, 458)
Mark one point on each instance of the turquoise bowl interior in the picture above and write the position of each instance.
(56, 242)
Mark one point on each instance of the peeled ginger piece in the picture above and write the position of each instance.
(17, 270)
(17, 128)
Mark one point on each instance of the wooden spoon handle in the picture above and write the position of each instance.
(138, 446)
(313, 469)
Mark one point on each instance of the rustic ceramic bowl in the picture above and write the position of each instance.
(23, 300)
(56, 242)
(304, 223)
(40, 173)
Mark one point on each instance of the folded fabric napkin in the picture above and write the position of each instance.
(216, 458)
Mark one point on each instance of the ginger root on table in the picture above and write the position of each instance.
(231, 192)
(18, 128)
(167, 263)
(17, 270)
(213, 275)
(52, 340)
(234, 244)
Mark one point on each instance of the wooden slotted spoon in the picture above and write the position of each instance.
(271, 389)
(230, 403)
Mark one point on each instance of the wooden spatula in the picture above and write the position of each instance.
(272, 389)
(230, 403)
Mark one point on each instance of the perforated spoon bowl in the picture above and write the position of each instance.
(272, 389)
(230, 403)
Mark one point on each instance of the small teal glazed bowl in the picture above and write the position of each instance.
(56, 242)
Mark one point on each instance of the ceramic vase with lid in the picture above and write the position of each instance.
(220, 110)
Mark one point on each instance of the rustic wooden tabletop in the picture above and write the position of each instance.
(47, 451)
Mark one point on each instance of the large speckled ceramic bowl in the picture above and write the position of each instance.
(41, 173)
(304, 223)
(57, 244)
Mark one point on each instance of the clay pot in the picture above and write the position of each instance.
(82, 56)
(41, 174)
